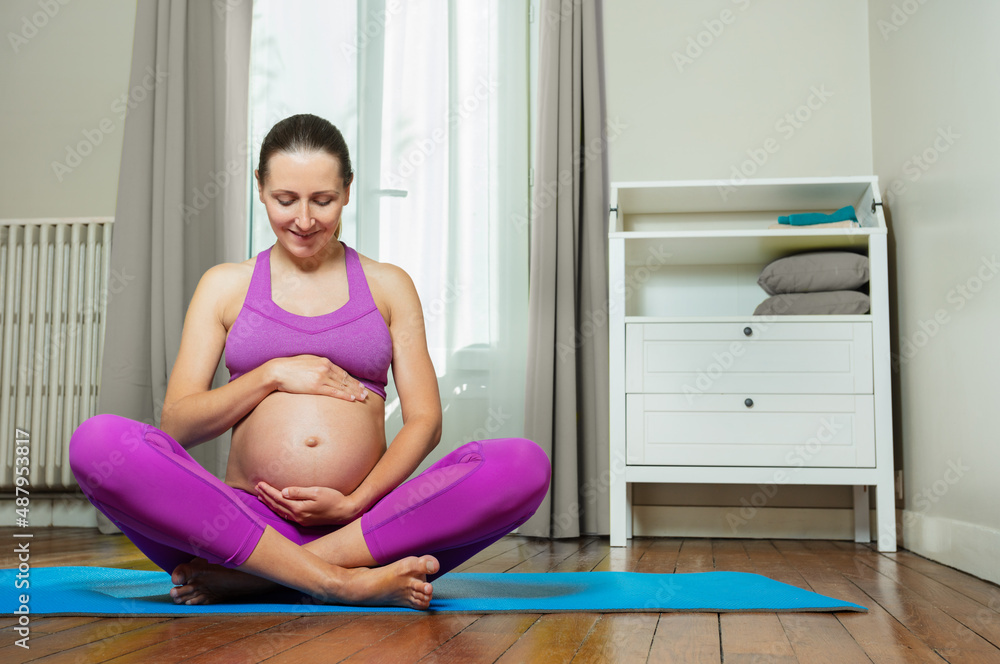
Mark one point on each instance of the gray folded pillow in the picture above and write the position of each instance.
(808, 304)
(815, 272)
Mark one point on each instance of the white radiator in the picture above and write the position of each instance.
(53, 292)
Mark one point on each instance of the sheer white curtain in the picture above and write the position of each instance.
(432, 97)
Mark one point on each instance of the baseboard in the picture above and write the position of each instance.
(969, 547)
(46, 511)
(755, 523)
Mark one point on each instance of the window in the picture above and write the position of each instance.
(432, 97)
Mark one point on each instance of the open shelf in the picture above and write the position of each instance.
(747, 205)
(681, 287)
(731, 247)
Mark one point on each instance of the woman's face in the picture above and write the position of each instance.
(304, 196)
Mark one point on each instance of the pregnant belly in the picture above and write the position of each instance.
(307, 440)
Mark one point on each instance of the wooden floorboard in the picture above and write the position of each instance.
(618, 637)
(484, 640)
(919, 611)
(554, 637)
(950, 639)
(686, 637)
(754, 638)
(883, 638)
(977, 617)
(261, 646)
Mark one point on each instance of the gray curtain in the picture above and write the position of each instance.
(182, 193)
(566, 408)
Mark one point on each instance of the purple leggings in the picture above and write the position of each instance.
(174, 510)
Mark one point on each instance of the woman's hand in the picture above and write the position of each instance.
(309, 506)
(312, 374)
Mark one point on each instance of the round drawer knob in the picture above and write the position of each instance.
(747, 331)
(748, 403)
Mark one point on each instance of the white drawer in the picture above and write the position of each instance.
(769, 357)
(783, 430)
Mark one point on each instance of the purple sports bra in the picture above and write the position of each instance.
(354, 337)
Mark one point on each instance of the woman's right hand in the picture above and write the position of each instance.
(312, 374)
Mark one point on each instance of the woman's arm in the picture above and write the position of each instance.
(192, 411)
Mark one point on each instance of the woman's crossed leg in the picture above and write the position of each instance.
(205, 532)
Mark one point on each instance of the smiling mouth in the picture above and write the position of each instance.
(303, 235)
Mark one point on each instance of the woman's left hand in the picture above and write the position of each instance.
(309, 506)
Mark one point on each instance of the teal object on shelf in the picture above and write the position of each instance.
(809, 218)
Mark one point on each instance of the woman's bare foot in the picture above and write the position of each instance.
(402, 583)
(201, 582)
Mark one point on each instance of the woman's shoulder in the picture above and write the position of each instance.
(226, 284)
(390, 286)
(227, 276)
(385, 276)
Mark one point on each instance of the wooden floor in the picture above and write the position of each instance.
(919, 611)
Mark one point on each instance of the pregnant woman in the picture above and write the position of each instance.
(313, 498)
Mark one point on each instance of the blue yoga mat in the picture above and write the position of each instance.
(107, 591)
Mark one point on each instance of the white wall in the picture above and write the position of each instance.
(63, 68)
(935, 110)
(754, 65)
(678, 119)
